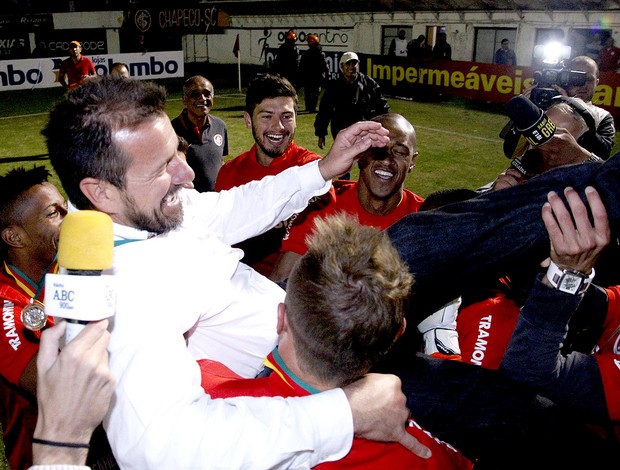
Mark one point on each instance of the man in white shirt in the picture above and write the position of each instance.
(398, 46)
(183, 294)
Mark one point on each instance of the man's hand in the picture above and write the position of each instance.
(510, 177)
(576, 245)
(380, 412)
(321, 142)
(562, 149)
(74, 388)
(349, 144)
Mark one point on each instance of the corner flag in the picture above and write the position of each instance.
(238, 56)
(236, 47)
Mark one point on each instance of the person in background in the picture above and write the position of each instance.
(119, 69)
(332, 331)
(139, 44)
(126, 162)
(505, 55)
(76, 68)
(206, 134)
(416, 48)
(609, 56)
(601, 141)
(442, 50)
(601, 135)
(286, 63)
(313, 72)
(352, 97)
(593, 47)
(74, 390)
(271, 113)
(40, 51)
(398, 46)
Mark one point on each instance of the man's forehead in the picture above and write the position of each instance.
(276, 104)
(199, 85)
(41, 196)
(132, 136)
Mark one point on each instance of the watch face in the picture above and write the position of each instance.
(570, 283)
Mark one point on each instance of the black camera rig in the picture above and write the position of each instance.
(545, 79)
(554, 73)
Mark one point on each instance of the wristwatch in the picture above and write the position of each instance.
(593, 158)
(568, 280)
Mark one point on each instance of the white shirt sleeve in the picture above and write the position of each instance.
(59, 467)
(255, 207)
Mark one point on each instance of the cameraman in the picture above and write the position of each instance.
(601, 141)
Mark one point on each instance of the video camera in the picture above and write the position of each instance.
(553, 55)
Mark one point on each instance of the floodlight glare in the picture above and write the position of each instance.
(552, 53)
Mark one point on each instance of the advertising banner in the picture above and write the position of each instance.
(43, 73)
(203, 18)
(473, 80)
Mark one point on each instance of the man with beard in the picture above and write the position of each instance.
(270, 111)
(183, 294)
(207, 135)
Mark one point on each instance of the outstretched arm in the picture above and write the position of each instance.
(533, 355)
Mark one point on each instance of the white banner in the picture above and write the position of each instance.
(27, 74)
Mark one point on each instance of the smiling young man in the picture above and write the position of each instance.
(271, 113)
(378, 199)
(206, 134)
(31, 210)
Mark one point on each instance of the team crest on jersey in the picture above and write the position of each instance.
(218, 139)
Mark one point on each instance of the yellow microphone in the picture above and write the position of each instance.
(86, 241)
(79, 293)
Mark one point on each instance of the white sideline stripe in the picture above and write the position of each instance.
(469, 136)
(19, 116)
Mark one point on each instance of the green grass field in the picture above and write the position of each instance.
(458, 143)
(457, 140)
